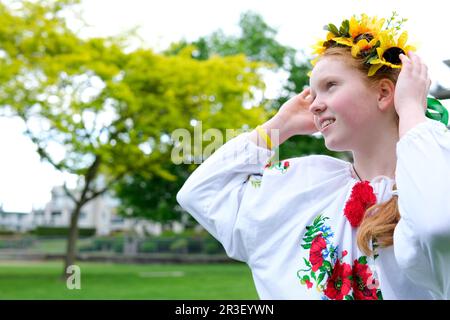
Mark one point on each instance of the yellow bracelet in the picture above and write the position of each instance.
(265, 136)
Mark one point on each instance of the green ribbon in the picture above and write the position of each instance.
(436, 111)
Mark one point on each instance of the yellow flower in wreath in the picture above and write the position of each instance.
(363, 34)
(389, 51)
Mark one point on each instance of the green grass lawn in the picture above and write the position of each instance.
(41, 280)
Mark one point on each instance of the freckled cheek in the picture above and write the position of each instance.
(349, 112)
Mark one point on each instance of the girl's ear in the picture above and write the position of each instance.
(386, 93)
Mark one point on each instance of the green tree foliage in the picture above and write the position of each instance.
(153, 197)
(257, 40)
(102, 114)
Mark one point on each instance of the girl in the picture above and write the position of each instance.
(317, 227)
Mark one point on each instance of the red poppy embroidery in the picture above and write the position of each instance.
(315, 254)
(361, 198)
(328, 272)
(282, 166)
(309, 284)
(364, 286)
(340, 283)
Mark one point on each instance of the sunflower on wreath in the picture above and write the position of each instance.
(367, 38)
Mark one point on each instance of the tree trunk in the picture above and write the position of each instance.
(82, 200)
(72, 240)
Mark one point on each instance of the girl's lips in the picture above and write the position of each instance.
(327, 127)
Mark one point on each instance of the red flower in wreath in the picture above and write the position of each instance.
(361, 198)
(339, 283)
(362, 280)
(315, 253)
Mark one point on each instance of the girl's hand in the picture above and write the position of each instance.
(412, 86)
(298, 120)
(293, 118)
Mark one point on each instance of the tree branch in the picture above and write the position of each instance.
(108, 186)
(69, 194)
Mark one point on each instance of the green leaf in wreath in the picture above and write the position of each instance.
(313, 275)
(349, 297)
(344, 29)
(306, 246)
(332, 28)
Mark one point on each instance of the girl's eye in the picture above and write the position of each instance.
(330, 84)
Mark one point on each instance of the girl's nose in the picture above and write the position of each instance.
(317, 107)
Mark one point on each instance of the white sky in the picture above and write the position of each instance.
(25, 182)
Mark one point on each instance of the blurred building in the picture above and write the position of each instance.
(14, 221)
(100, 214)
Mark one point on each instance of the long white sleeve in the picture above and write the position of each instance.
(214, 191)
(422, 237)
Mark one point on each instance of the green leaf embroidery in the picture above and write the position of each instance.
(327, 265)
(317, 219)
(307, 262)
(306, 246)
(349, 297)
(362, 260)
(256, 183)
(308, 239)
(313, 275)
(311, 231)
(379, 295)
(321, 276)
(319, 225)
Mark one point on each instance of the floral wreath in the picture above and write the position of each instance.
(377, 46)
(368, 39)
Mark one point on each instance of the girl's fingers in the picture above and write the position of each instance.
(305, 93)
(424, 69)
(416, 63)
(406, 62)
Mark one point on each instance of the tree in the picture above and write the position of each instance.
(105, 111)
(152, 198)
